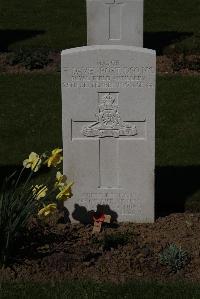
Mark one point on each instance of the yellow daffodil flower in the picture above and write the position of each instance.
(40, 191)
(60, 179)
(65, 192)
(47, 210)
(32, 162)
(55, 158)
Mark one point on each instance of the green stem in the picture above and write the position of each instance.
(19, 177)
(28, 179)
(6, 249)
(32, 172)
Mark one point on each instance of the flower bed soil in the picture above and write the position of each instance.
(66, 251)
(165, 65)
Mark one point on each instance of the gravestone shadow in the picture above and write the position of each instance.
(174, 186)
(8, 37)
(160, 40)
(84, 216)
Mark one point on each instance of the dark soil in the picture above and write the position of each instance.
(66, 251)
(176, 64)
(7, 67)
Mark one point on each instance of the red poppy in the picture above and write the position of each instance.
(99, 217)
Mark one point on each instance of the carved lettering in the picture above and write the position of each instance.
(109, 74)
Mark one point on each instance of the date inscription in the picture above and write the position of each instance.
(109, 74)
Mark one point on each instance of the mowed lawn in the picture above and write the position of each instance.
(30, 120)
(89, 290)
(168, 25)
(30, 117)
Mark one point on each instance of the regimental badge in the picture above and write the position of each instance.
(109, 122)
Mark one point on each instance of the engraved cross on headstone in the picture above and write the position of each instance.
(109, 129)
(115, 19)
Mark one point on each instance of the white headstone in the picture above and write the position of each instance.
(114, 22)
(108, 114)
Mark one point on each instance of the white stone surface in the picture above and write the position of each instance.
(114, 22)
(108, 114)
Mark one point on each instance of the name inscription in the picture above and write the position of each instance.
(111, 74)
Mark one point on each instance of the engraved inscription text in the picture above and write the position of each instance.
(109, 74)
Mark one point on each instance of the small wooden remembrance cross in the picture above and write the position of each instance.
(98, 221)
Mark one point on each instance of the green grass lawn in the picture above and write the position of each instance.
(89, 290)
(30, 120)
(177, 121)
(61, 24)
(30, 117)
(173, 26)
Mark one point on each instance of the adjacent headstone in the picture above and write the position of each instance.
(115, 22)
(108, 107)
